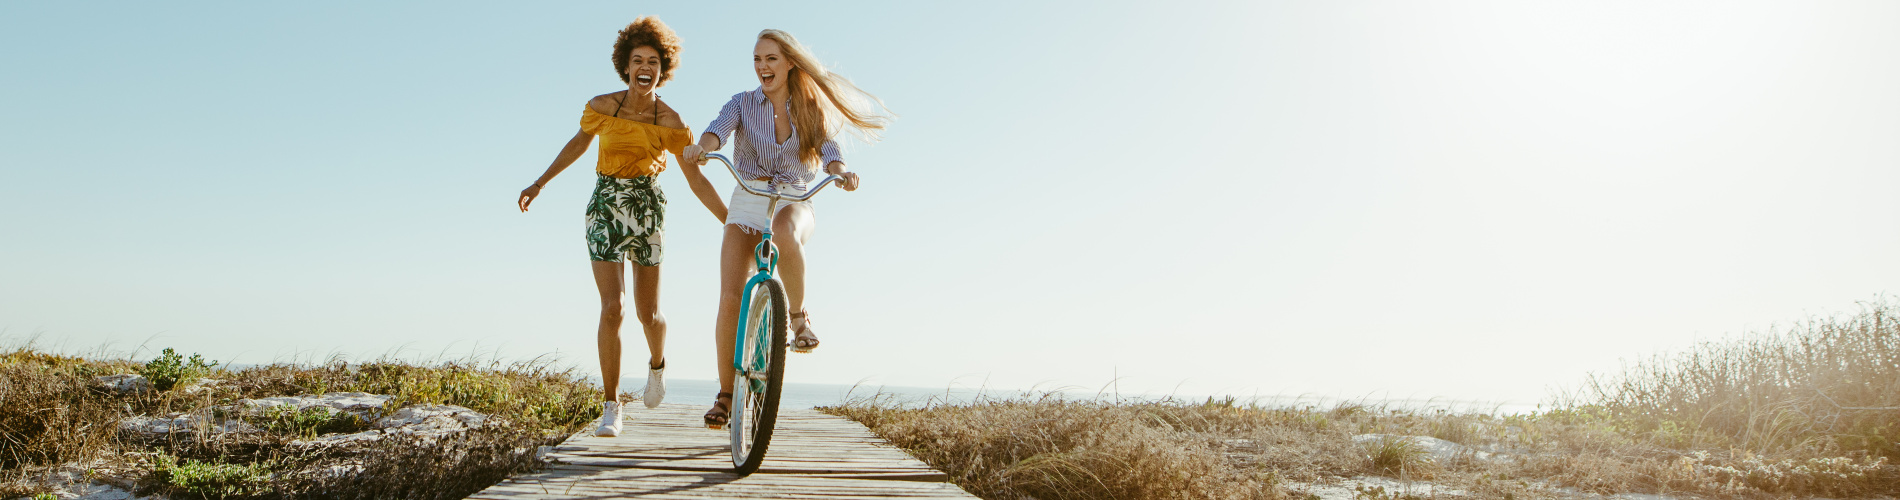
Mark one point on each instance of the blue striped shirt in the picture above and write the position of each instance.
(755, 154)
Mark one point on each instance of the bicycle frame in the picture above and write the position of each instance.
(765, 256)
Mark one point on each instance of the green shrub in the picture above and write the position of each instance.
(309, 422)
(211, 479)
(170, 369)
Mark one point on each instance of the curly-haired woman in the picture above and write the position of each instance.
(625, 215)
(785, 131)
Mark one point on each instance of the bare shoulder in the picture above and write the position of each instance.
(605, 103)
(670, 118)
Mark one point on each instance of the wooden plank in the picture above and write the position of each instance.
(666, 453)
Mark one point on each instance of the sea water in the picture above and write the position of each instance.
(805, 395)
(801, 395)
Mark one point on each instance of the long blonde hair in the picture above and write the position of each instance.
(824, 102)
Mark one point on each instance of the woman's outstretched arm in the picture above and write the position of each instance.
(573, 150)
(703, 189)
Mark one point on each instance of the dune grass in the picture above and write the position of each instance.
(1047, 447)
(1828, 385)
(1796, 412)
(55, 425)
(1799, 412)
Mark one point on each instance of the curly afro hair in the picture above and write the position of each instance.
(650, 32)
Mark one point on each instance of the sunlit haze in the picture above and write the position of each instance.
(1456, 200)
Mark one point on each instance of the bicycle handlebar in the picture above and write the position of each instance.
(770, 191)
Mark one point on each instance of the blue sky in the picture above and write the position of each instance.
(1460, 199)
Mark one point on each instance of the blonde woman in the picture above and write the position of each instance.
(626, 215)
(782, 135)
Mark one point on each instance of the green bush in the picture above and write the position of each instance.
(169, 369)
(308, 422)
(210, 479)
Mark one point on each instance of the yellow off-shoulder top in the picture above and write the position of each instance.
(631, 149)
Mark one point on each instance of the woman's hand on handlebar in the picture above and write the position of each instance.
(846, 179)
(693, 154)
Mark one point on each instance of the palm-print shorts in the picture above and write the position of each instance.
(626, 219)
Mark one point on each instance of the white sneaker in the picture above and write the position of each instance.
(656, 386)
(609, 419)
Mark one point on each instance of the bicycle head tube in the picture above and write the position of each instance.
(765, 256)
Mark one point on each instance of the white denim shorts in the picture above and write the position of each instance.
(748, 210)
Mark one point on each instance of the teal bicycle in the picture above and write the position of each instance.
(758, 354)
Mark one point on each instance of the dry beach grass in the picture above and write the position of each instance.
(55, 424)
(1800, 412)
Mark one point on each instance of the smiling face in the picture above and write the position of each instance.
(771, 65)
(643, 69)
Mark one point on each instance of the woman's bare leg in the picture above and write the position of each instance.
(608, 279)
(646, 308)
(790, 230)
(735, 266)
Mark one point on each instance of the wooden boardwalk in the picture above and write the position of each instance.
(667, 453)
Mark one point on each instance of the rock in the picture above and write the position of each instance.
(1575, 493)
(72, 481)
(107, 492)
(1357, 488)
(148, 427)
(338, 441)
(429, 421)
(434, 419)
(343, 470)
(124, 383)
(362, 404)
(203, 384)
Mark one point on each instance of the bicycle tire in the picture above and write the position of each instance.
(755, 405)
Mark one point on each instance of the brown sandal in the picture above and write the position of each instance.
(721, 411)
(803, 340)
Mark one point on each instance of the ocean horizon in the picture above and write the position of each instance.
(801, 395)
(797, 395)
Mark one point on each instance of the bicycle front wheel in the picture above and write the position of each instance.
(755, 389)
